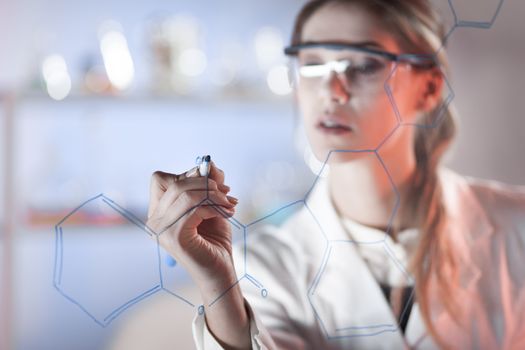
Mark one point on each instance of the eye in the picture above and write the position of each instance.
(309, 58)
(369, 66)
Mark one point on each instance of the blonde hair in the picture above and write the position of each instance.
(418, 30)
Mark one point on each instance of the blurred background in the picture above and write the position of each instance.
(95, 96)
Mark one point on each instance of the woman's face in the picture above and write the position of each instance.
(352, 115)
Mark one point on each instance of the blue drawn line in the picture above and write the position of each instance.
(475, 24)
(130, 303)
(362, 335)
(55, 280)
(394, 258)
(317, 176)
(244, 247)
(123, 213)
(226, 291)
(325, 164)
(77, 208)
(453, 12)
(388, 175)
(80, 306)
(353, 151)
(183, 215)
(231, 218)
(161, 279)
(439, 115)
(61, 242)
(318, 317)
(394, 214)
(390, 94)
(253, 280)
(208, 184)
(127, 214)
(387, 137)
(326, 257)
(394, 187)
(446, 103)
(447, 36)
(316, 221)
(320, 271)
(323, 266)
(218, 208)
(275, 212)
(179, 297)
(388, 325)
(405, 309)
(497, 12)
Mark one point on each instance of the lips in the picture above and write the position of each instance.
(333, 124)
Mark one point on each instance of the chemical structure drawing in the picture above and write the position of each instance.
(94, 291)
(332, 247)
(332, 277)
(431, 120)
(483, 15)
(97, 293)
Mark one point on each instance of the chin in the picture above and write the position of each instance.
(337, 155)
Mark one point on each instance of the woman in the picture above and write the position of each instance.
(455, 243)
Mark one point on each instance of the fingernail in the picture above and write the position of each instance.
(224, 188)
(232, 200)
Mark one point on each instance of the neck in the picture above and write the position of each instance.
(362, 190)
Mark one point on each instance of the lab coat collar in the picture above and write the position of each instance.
(370, 312)
(467, 223)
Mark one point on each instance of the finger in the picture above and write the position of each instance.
(190, 184)
(160, 181)
(193, 172)
(192, 219)
(189, 200)
(182, 215)
(204, 212)
(216, 173)
(223, 188)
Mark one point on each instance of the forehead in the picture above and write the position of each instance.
(347, 23)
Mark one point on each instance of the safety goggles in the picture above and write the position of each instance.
(362, 68)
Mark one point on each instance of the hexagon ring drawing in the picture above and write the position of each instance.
(100, 249)
(476, 14)
(337, 293)
(427, 120)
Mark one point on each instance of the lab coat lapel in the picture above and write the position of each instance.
(467, 225)
(362, 312)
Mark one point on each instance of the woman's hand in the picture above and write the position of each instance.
(189, 214)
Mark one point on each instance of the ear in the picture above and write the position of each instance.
(432, 90)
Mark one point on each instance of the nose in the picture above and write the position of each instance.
(335, 90)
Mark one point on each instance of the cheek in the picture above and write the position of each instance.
(405, 99)
(376, 116)
(308, 104)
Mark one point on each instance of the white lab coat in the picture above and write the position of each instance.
(344, 308)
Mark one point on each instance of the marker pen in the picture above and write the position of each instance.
(204, 166)
(201, 169)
